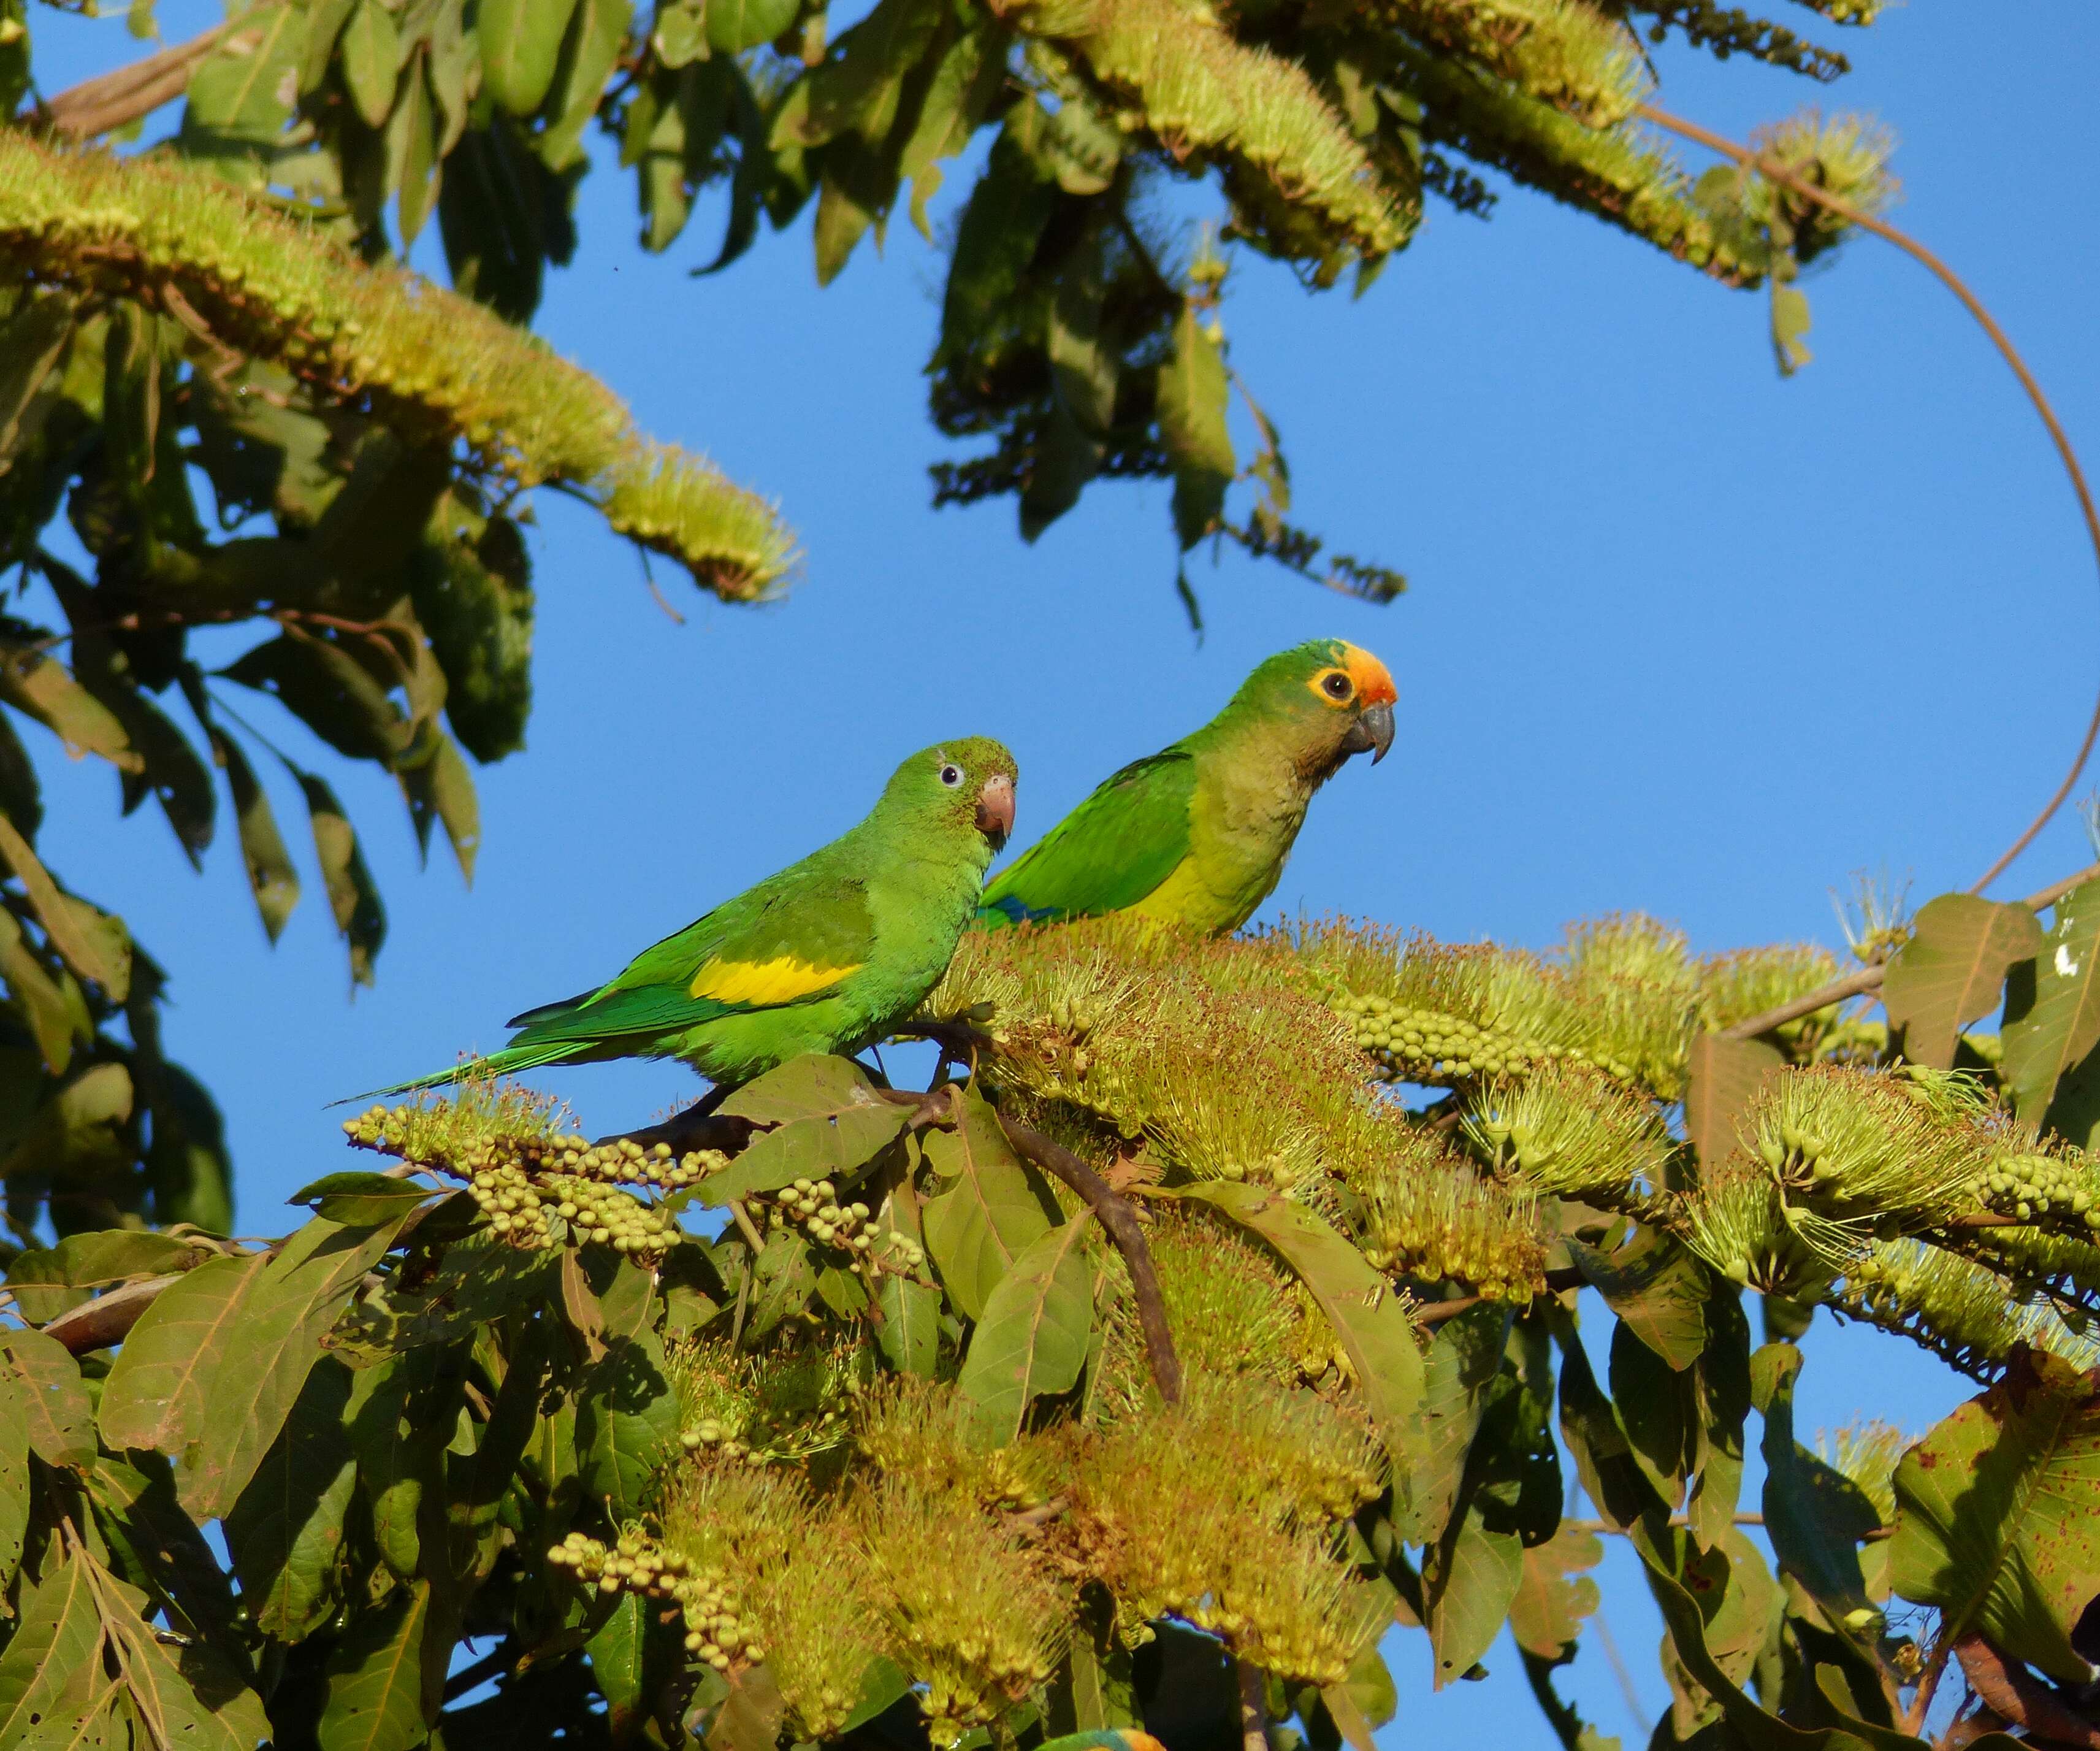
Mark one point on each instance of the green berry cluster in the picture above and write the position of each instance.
(2033, 1187)
(1423, 1046)
(619, 1160)
(524, 1212)
(813, 1204)
(638, 1564)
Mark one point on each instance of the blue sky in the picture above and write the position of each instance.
(1682, 637)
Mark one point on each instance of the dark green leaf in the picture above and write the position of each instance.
(441, 789)
(75, 1131)
(1657, 1410)
(52, 1396)
(627, 1423)
(353, 897)
(13, 1476)
(375, 1678)
(271, 877)
(910, 1334)
(1814, 1515)
(43, 688)
(479, 1279)
(835, 1146)
(286, 1530)
(262, 1364)
(989, 1215)
(1192, 397)
(370, 53)
(589, 52)
(411, 147)
(330, 690)
(1953, 970)
(30, 343)
(785, 1274)
(1997, 1522)
(1470, 1578)
(88, 951)
(362, 1196)
(616, 1663)
(521, 42)
(1659, 1289)
(137, 1512)
(1463, 1358)
(38, 998)
(57, 1636)
(1031, 1340)
(735, 26)
(2060, 1024)
(154, 1395)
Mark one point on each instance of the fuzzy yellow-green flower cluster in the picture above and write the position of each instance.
(1437, 1050)
(2058, 1190)
(1422, 1212)
(920, 1433)
(1561, 52)
(638, 1564)
(1571, 1132)
(536, 1185)
(1963, 1311)
(453, 371)
(784, 1403)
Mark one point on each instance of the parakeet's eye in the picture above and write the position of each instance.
(951, 775)
(1336, 685)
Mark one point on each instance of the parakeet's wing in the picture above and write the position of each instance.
(1109, 852)
(784, 942)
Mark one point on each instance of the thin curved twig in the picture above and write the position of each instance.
(1775, 171)
(1870, 978)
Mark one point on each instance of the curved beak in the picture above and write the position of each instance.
(1371, 733)
(995, 808)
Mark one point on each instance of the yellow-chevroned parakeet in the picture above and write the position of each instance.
(832, 954)
(1197, 833)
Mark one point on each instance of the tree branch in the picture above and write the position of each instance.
(1119, 1219)
(1773, 171)
(1870, 978)
(112, 101)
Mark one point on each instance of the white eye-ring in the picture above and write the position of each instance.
(951, 775)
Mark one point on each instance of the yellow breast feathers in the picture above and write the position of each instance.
(758, 982)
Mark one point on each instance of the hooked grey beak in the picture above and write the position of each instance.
(996, 810)
(1371, 733)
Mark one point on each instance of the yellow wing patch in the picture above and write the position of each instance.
(779, 980)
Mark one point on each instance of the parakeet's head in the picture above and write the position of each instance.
(966, 784)
(1331, 697)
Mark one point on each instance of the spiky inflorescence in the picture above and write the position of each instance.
(537, 1186)
(1746, 982)
(1867, 1149)
(785, 1402)
(920, 1433)
(1968, 1314)
(1573, 1133)
(1560, 52)
(1201, 91)
(1421, 1212)
(972, 1613)
(1845, 156)
(1736, 1221)
(1621, 996)
(457, 373)
(1867, 1452)
(1220, 1513)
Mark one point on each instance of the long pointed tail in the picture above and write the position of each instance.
(500, 1064)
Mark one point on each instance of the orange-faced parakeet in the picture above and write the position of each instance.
(831, 955)
(1197, 834)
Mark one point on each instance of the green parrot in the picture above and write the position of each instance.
(1197, 834)
(831, 955)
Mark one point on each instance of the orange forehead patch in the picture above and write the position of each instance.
(1373, 683)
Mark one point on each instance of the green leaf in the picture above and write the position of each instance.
(815, 1085)
(262, 1366)
(957, 102)
(57, 1636)
(1603, 1458)
(990, 1213)
(441, 789)
(858, 87)
(1953, 970)
(1738, 1606)
(521, 43)
(1721, 1395)
(325, 22)
(836, 1147)
(272, 876)
(1470, 1579)
(1370, 1324)
(1657, 1411)
(1192, 396)
(43, 688)
(375, 1678)
(85, 949)
(2047, 1033)
(74, 1132)
(479, 1279)
(910, 1334)
(1463, 1359)
(735, 26)
(1659, 1289)
(1555, 1594)
(1721, 1076)
(136, 1511)
(786, 1273)
(154, 1395)
(370, 53)
(38, 998)
(616, 1663)
(14, 1477)
(286, 1530)
(1998, 1516)
(1789, 322)
(412, 148)
(325, 685)
(627, 1423)
(52, 1397)
(1031, 1340)
(30, 343)
(589, 52)
(1814, 1515)
(241, 95)
(363, 1196)
(353, 897)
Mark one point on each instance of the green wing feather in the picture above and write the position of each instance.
(822, 923)
(1109, 853)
